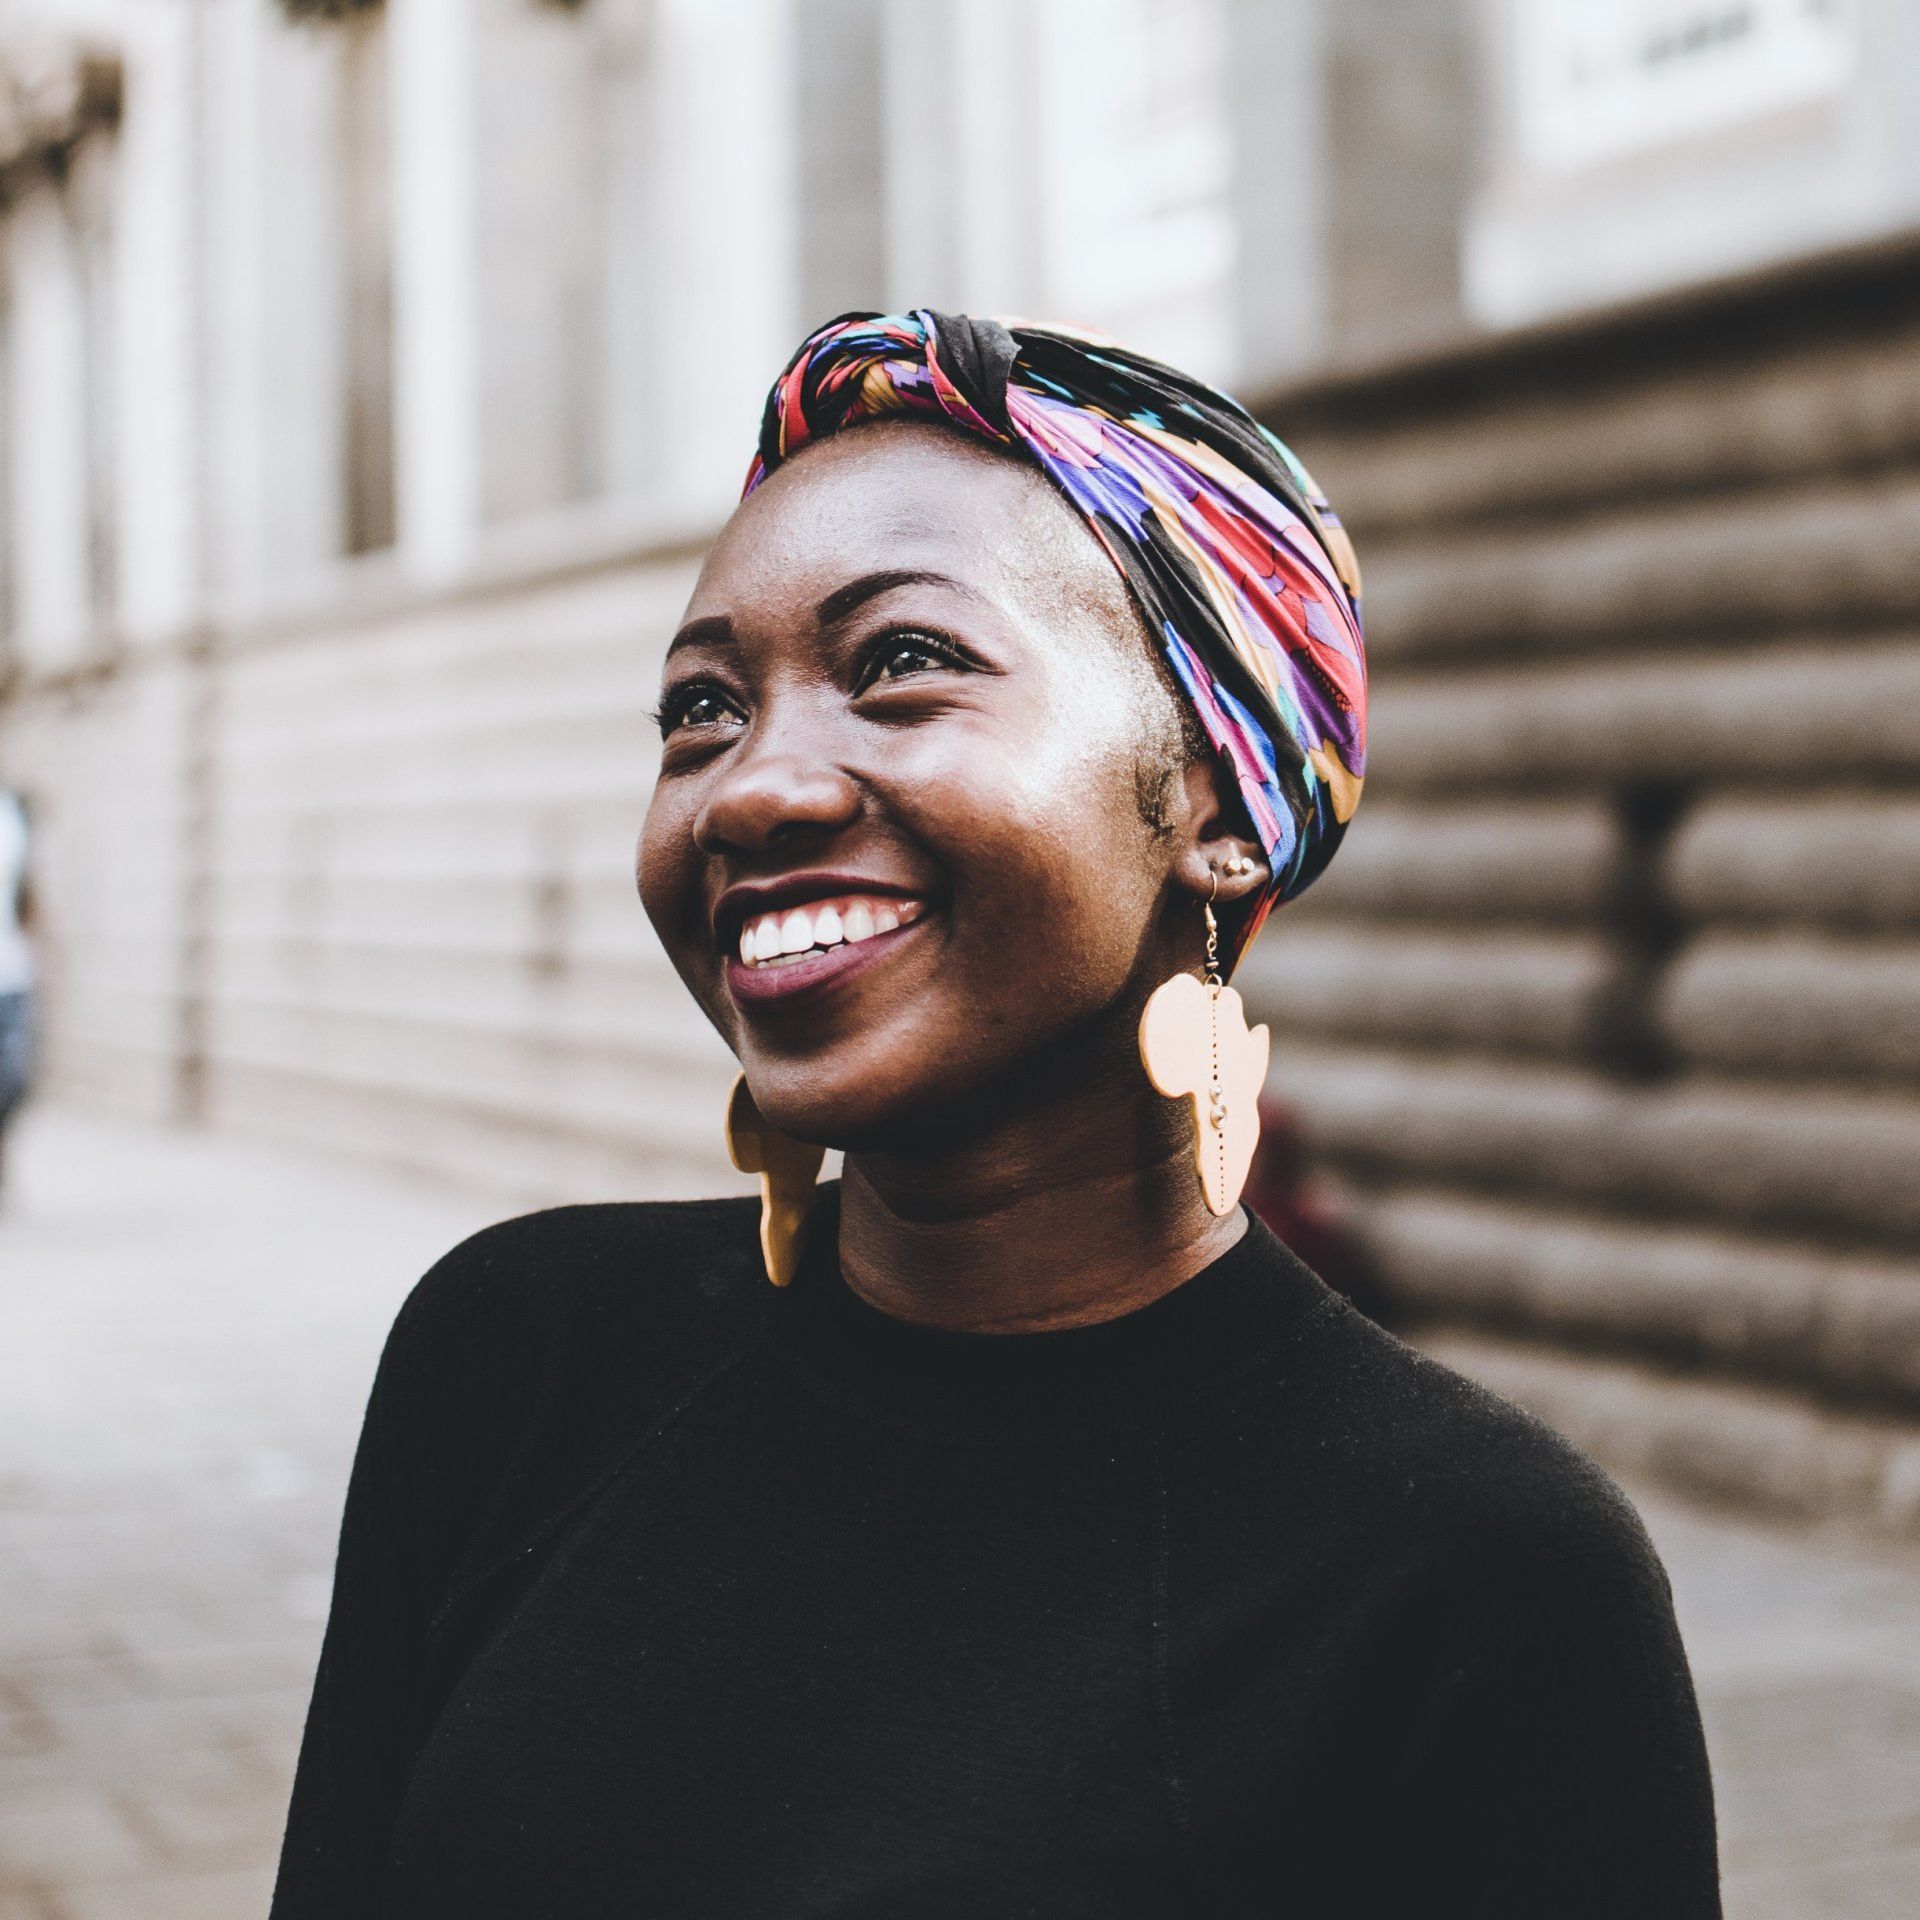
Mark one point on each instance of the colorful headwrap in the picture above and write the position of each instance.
(1229, 548)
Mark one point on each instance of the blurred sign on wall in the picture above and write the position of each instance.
(1596, 79)
(1636, 145)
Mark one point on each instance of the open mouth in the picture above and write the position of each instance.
(792, 949)
(789, 934)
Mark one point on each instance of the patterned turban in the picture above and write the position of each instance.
(1230, 550)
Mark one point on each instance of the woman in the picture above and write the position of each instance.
(1047, 1540)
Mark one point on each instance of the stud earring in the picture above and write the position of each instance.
(787, 1168)
(1195, 1042)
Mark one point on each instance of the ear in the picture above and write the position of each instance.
(1214, 835)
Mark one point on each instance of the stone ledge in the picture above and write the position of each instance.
(1502, 991)
(1767, 1453)
(1765, 714)
(1542, 453)
(1555, 861)
(1858, 290)
(1795, 1004)
(1848, 859)
(1830, 1160)
(1735, 564)
(1842, 1326)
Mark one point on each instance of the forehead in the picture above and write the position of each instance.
(903, 493)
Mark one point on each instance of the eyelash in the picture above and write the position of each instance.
(670, 714)
(882, 646)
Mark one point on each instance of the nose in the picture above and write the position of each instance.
(771, 790)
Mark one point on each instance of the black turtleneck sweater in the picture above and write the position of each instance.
(662, 1593)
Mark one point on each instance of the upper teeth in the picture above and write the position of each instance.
(785, 935)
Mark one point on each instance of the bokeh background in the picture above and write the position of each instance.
(371, 377)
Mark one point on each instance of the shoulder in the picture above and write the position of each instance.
(1462, 1473)
(573, 1307)
(528, 1355)
(574, 1266)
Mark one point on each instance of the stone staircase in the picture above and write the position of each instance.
(1608, 1014)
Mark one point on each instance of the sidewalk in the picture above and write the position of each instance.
(187, 1328)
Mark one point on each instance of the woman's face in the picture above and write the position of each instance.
(908, 724)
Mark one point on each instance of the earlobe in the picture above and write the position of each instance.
(1226, 871)
(1223, 859)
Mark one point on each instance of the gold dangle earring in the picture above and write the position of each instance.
(1194, 1042)
(787, 1168)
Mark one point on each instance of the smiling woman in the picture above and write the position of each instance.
(1050, 1540)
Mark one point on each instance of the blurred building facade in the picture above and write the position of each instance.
(374, 374)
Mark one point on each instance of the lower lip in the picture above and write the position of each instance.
(818, 971)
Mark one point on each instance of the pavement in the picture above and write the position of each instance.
(188, 1324)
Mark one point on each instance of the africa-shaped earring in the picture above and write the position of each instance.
(787, 1168)
(1195, 1042)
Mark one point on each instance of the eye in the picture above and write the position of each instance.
(902, 652)
(694, 703)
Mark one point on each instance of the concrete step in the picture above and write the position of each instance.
(1795, 1005)
(1766, 1452)
(1797, 555)
(1848, 860)
(1833, 1160)
(1498, 991)
(1840, 1326)
(1740, 414)
(1752, 716)
(1785, 1005)
(1554, 862)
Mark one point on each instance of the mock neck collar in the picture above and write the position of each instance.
(1014, 1386)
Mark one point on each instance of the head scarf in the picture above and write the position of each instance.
(1229, 548)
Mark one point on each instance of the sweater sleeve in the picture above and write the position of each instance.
(448, 1402)
(355, 1750)
(1558, 1770)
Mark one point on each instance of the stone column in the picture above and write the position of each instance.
(539, 214)
(275, 294)
(919, 176)
(1136, 167)
(155, 326)
(1404, 125)
(1276, 108)
(625, 380)
(436, 306)
(1062, 160)
(965, 176)
(47, 418)
(724, 240)
(842, 159)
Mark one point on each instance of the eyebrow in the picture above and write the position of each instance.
(716, 629)
(712, 630)
(869, 586)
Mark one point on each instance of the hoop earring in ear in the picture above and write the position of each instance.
(787, 1168)
(1194, 1041)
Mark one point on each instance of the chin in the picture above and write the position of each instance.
(863, 1055)
(881, 1091)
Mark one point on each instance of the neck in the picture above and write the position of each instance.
(1078, 1211)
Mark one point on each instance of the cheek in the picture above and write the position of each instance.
(1055, 876)
(667, 868)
